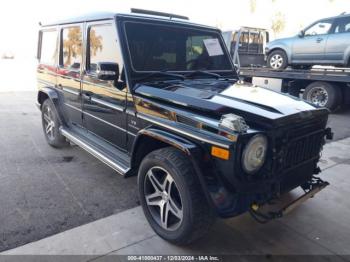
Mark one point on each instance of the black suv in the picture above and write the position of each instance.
(156, 96)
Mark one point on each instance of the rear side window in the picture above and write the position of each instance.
(72, 44)
(48, 47)
(342, 25)
(102, 47)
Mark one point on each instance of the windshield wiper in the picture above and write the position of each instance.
(202, 72)
(162, 73)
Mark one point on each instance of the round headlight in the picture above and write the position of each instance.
(254, 154)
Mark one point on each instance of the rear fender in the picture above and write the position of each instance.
(49, 93)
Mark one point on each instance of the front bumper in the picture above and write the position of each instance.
(285, 206)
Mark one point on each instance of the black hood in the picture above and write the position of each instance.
(215, 98)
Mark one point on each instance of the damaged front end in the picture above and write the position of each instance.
(295, 155)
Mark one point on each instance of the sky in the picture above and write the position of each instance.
(19, 18)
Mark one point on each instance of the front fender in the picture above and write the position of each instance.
(286, 47)
(222, 200)
(168, 138)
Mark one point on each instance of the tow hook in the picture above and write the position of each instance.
(315, 186)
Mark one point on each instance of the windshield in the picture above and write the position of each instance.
(175, 48)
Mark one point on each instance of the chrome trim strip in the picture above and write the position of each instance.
(94, 152)
(73, 107)
(107, 104)
(97, 84)
(100, 119)
(181, 131)
(71, 91)
(45, 82)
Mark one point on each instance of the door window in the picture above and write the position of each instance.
(71, 52)
(48, 47)
(102, 48)
(320, 28)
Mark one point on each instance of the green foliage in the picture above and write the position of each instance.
(252, 6)
(278, 23)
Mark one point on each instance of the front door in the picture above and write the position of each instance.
(69, 71)
(311, 46)
(103, 103)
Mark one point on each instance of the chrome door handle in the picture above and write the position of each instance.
(319, 40)
(87, 95)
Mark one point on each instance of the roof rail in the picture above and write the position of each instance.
(155, 13)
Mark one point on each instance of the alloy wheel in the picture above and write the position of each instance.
(49, 124)
(163, 198)
(276, 61)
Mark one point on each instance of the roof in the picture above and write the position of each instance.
(83, 18)
(336, 16)
(110, 15)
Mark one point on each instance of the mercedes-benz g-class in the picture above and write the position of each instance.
(156, 96)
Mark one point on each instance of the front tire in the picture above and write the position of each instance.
(172, 198)
(51, 124)
(277, 60)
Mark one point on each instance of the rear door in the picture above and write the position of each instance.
(69, 70)
(103, 103)
(338, 41)
(311, 47)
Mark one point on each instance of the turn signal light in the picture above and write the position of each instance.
(220, 152)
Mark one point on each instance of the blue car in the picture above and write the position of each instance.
(325, 42)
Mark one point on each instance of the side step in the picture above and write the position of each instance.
(112, 157)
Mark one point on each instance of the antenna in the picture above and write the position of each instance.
(156, 13)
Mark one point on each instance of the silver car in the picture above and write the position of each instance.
(325, 42)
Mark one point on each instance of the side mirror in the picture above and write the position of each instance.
(107, 71)
(301, 33)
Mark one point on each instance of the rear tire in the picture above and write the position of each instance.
(169, 168)
(51, 124)
(323, 94)
(277, 60)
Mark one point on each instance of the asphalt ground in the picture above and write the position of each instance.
(44, 190)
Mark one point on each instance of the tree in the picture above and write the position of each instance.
(278, 23)
(95, 42)
(252, 6)
(72, 45)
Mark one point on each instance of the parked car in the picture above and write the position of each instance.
(8, 55)
(160, 98)
(247, 45)
(325, 42)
